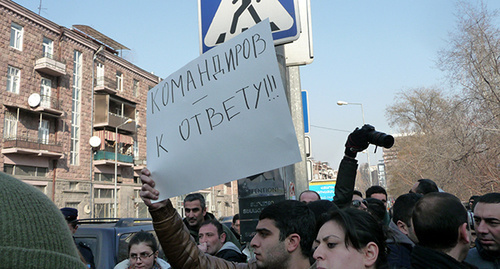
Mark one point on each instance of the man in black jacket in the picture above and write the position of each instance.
(442, 229)
(213, 241)
(486, 254)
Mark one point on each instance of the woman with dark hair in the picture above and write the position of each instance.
(143, 253)
(350, 238)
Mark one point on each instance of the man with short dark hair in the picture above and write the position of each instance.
(213, 241)
(424, 186)
(486, 254)
(235, 226)
(196, 212)
(284, 238)
(308, 196)
(377, 192)
(441, 226)
(403, 237)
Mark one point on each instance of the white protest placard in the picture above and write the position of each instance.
(222, 117)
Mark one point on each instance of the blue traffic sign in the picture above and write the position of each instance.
(220, 20)
(305, 111)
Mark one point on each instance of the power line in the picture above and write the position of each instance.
(331, 129)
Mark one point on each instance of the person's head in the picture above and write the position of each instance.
(308, 196)
(376, 208)
(236, 223)
(71, 216)
(358, 201)
(34, 232)
(440, 223)
(285, 229)
(320, 207)
(195, 209)
(349, 238)
(142, 250)
(424, 186)
(212, 234)
(377, 192)
(487, 222)
(402, 211)
(472, 201)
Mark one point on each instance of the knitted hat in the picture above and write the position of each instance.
(33, 232)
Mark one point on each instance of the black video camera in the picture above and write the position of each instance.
(378, 138)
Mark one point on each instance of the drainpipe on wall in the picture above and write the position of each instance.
(101, 48)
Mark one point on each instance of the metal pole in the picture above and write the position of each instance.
(116, 170)
(367, 151)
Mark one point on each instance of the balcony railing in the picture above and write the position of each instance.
(34, 143)
(49, 64)
(104, 84)
(106, 155)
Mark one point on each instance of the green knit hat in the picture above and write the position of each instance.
(33, 232)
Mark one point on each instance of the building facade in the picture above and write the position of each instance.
(60, 87)
(68, 103)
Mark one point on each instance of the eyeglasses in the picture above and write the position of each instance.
(357, 203)
(141, 256)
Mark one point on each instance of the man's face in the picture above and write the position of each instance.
(194, 213)
(269, 251)
(487, 224)
(208, 235)
(380, 196)
(236, 226)
(308, 197)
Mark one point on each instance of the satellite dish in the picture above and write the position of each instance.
(34, 100)
(95, 141)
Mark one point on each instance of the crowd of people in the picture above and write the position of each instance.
(425, 228)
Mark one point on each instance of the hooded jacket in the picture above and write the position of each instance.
(230, 252)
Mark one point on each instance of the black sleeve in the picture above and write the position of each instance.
(346, 178)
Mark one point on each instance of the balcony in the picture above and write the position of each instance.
(113, 111)
(27, 145)
(108, 158)
(50, 105)
(105, 85)
(49, 64)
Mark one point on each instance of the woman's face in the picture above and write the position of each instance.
(332, 252)
(141, 256)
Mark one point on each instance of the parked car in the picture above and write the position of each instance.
(108, 238)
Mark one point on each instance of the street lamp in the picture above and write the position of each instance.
(344, 103)
(116, 163)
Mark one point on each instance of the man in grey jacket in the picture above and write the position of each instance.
(486, 254)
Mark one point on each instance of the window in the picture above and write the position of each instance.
(48, 48)
(104, 177)
(103, 210)
(100, 74)
(45, 88)
(75, 112)
(103, 193)
(119, 81)
(43, 132)
(135, 88)
(23, 170)
(16, 36)
(10, 126)
(136, 150)
(13, 79)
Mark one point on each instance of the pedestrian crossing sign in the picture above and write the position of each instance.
(221, 20)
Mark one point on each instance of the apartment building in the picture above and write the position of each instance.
(59, 87)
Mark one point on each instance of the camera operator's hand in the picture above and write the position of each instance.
(357, 141)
